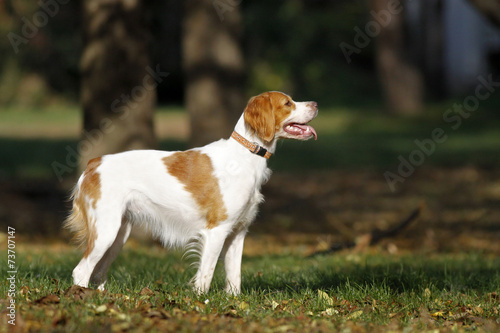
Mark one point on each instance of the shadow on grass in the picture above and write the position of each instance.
(472, 274)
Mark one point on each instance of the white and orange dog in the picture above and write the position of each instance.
(208, 194)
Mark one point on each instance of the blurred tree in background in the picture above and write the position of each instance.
(39, 53)
(214, 67)
(118, 90)
(400, 78)
(218, 53)
(293, 46)
(287, 45)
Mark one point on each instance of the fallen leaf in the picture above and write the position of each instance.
(49, 299)
(101, 308)
(232, 313)
(458, 316)
(492, 297)
(478, 310)
(355, 315)
(325, 298)
(122, 316)
(330, 312)
(322, 295)
(438, 314)
(156, 314)
(427, 293)
(243, 305)
(24, 290)
(146, 292)
(78, 292)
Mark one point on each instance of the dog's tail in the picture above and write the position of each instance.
(78, 222)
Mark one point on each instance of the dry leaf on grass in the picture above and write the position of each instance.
(323, 296)
(146, 292)
(78, 292)
(49, 299)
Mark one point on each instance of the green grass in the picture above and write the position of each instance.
(279, 293)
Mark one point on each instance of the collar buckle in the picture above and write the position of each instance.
(257, 147)
(258, 150)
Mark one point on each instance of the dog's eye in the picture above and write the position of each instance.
(288, 103)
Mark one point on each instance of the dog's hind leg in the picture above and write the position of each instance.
(100, 272)
(104, 228)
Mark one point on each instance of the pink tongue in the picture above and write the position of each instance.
(306, 128)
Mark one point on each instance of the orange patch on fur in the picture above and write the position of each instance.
(84, 197)
(91, 185)
(195, 171)
(266, 113)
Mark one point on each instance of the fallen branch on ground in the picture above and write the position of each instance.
(374, 236)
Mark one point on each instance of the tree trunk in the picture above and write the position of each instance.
(433, 47)
(118, 91)
(490, 8)
(213, 63)
(401, 80)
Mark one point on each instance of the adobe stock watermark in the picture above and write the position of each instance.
(224, 6)
(453, 117)
(48, 9)
(121, 110)
(11, 270)
(362, 39)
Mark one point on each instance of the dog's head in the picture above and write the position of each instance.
(274, 115)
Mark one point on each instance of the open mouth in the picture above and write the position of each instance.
(302, 131)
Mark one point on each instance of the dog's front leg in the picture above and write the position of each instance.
(232, 261)
(212, 242)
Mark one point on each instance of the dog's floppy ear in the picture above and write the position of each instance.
(259, 116)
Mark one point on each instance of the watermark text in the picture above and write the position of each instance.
(11, 275)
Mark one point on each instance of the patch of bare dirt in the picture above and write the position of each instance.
(462, 208)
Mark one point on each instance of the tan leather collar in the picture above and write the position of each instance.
(252, 146)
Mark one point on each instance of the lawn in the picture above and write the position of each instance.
(442, 273)
(282, 292)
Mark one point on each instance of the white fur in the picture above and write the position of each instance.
(137, 189)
